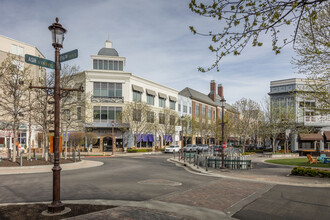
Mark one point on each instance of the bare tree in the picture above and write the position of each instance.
(76, 139)
(13, 88)
(136, 115)
(249, 112)
(167, 122)
(92, 138)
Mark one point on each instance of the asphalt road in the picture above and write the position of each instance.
(124, 178)
(117, 179)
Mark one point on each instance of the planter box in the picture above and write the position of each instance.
(281, 155)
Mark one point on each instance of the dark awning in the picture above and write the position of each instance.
(151, 92)
(311, 137)
(137, 88)
(327, 135)
(172, 98)
(162, 95)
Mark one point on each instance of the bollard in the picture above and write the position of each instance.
(206, 163)
(197, 161)
(174, 154)
(74, 155)
(21, 159)
(190, 157)
(79, 154)
(184, 157)
(179, 155)
(9, 154)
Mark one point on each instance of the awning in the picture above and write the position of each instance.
(327, 135)
(137, 88)
(172, 98)
(138, 137)
(162, 95)
(311, 137)
(151, 92)
(168, 138)
(151, 137)
(145, 138)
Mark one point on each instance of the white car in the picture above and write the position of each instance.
(172, 148)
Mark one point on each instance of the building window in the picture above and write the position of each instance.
(184, 109)
(137, 96)
(108, 64)
(189, 110)
(203, 111)
(197, 110)
(106, 114)
(66, 115)
(179, 107)
(22, 138)
(161, 118)
(150, 99)
(17, 50)
(150, 117)
(136, 114)
(172, 120)
(162, 102)
(172, 105)
(107, 89)
(210, 114)
(79, 113)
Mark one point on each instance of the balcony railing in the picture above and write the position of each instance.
(317, 120)
(99, 99)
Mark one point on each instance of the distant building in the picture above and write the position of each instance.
(284, 93)
(18, 49)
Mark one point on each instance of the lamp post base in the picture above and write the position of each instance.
(56, 207)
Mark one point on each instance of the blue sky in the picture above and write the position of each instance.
(154, 37)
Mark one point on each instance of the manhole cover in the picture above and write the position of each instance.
(160, 182)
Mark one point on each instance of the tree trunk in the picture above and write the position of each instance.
(15, 140)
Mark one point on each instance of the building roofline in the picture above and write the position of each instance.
(23, 43)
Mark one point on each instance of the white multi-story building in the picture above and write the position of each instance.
(285, 93)
(18, 49)
(111, 88)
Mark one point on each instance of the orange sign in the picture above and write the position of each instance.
(51, 144)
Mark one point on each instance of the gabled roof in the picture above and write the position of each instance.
(193, 94)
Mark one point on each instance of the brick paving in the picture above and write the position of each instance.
(131, 213)
(218, 195)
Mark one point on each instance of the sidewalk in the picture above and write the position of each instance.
(261, 172)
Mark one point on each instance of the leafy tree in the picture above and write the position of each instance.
(313, 50)
(243, 22)
(12, 96)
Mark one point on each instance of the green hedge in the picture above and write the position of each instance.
(304, 171)
(138, 150)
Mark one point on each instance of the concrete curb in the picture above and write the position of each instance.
(180, 209)
(48, 168)
(259, 179)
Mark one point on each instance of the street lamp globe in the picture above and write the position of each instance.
(57, 34)
(223, 102)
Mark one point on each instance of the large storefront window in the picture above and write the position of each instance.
(22, 138)
(106, 114)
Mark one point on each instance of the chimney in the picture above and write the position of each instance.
(212, 90)
(220, 91)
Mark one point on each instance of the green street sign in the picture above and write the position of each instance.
(69, 55)
(39, 61)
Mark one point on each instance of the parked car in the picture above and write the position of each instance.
(191, 147)
(202, 147)
(172, 148)
(216, 149)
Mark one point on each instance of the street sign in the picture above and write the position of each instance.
(39, 61)
(69, 55)
(223, 145)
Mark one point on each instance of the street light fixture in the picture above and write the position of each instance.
(182, 118)
(222, 103)
(57, 37)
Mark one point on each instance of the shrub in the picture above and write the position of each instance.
(132, 150)
(303, 171)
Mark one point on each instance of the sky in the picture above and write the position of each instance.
(154, 37)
